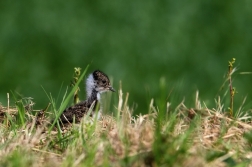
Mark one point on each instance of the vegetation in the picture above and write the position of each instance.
(169, 55)
(165, 136)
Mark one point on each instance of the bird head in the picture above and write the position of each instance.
(98, 81)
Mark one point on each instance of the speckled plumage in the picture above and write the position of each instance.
(96, 83)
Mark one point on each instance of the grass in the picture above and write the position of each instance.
(183, 136)
(195, 136)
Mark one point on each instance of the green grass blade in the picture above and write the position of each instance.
(70, 95)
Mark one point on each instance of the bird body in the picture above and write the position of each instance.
(96, 83)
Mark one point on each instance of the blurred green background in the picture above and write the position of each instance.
(187, 44)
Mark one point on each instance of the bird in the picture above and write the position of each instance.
(96, 84)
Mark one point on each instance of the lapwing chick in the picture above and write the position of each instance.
(96, 83)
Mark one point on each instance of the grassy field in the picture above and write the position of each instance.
(166, 136)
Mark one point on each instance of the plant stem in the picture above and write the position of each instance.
(231, 89)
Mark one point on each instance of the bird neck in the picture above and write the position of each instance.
(92, 93)
(90, 86)
(93, 96)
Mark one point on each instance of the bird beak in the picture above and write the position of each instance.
(111, 89)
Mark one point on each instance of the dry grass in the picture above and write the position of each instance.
(207, 137)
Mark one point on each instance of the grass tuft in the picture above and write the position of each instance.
(196, 136)
(165, 136)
